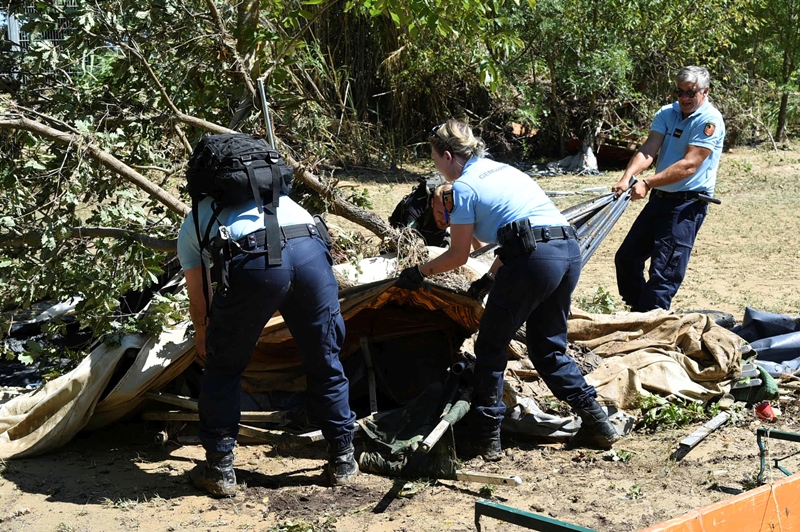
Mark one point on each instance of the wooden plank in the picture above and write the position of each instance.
(488, 478)
(701, 433)
(177, 415)
(175, 400)
(373, 390)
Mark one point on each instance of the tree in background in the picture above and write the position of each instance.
(779, 47)
(96, 129)
(95, 136)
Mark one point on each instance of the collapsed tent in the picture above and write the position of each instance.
(688, 356)
(112, 381)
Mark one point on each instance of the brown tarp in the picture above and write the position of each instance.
(685, 355)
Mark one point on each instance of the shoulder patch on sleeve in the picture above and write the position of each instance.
(709, 129)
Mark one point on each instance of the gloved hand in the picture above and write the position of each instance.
(481, 287)
(410, 278)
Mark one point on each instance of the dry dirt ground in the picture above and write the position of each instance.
(747, 254)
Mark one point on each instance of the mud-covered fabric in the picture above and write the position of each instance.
(658, 352)
(395, 436)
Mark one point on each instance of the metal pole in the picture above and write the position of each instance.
(265, 110)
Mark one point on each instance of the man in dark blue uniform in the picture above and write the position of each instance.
(687, 137)
(305, 291)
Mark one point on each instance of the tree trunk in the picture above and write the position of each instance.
(780, 131)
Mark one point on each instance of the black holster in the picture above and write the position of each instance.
(221, 255)
(324, 233)
(515, 239)
(223, 249)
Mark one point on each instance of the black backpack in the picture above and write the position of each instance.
(233, 168)
(414, 210)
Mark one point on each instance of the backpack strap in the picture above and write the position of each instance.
(270, 209)
(203, 242)
(271, 220)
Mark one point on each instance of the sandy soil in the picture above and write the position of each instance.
(747, 254)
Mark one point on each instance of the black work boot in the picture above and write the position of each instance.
(216, 476)
(485, 445)
(342, 466)
(492, 449)
(596, 430)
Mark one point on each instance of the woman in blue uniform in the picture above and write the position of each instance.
(530, 282)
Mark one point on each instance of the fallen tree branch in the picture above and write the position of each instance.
(101, 156)
(339, 205)
(342, 207)
(159, 244)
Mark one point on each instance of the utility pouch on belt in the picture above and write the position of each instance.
(324, 234)
(515, 239)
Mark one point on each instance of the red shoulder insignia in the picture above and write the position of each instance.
(709, 129)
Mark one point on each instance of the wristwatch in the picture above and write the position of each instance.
(646, 184)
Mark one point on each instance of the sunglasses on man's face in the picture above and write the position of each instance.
(689, 94)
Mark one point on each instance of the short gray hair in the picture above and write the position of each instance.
(694, 74)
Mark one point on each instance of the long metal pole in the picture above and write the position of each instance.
(265, 110)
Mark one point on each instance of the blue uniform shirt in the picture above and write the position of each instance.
(491, 194)
(241, 220)
(704, 128)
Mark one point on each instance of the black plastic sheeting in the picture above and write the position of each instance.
(758, 325)
(774, 337)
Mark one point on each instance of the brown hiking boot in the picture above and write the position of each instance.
(216, 475)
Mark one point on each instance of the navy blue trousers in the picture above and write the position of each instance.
(664, 232)
(535, 290)
(305, 291)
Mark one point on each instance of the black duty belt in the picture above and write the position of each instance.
(257, 238)
(519, 238)
(682, 196)
(557, 232)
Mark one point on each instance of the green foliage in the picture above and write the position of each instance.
(792, 117)
(634, 492)
(659, 413)
(487, 491)
(357, 82)
(601, 301)
(323, 524)
(360, 198)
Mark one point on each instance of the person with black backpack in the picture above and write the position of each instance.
(416, 210)
(268, 255)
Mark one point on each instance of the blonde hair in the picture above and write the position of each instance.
(457, 138)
